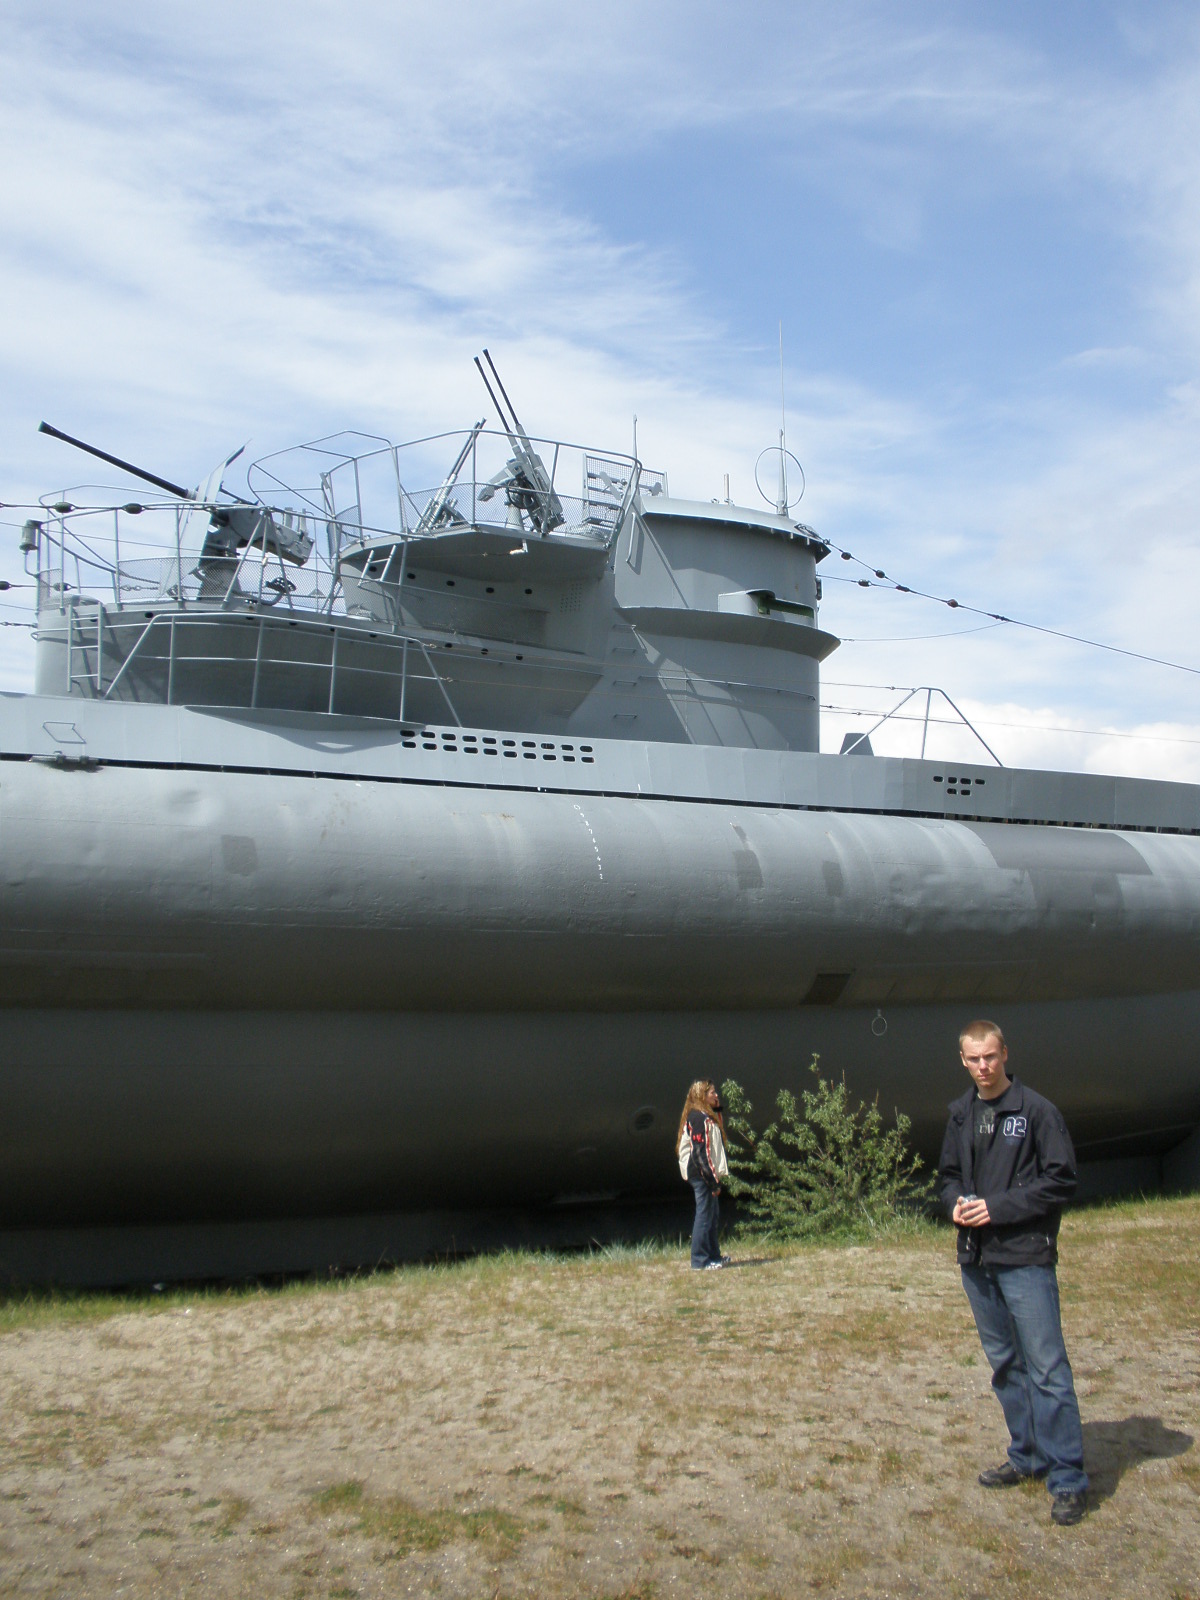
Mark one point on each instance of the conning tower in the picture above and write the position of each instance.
(539, 588)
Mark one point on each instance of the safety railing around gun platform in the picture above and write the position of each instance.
(82, 557)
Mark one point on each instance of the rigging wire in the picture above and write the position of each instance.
(881, 580)
(906, 638)
(992, 722)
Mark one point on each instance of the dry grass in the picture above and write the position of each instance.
(611, 1426)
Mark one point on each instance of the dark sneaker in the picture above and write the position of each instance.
(1068, 1509)
(1005, 1476)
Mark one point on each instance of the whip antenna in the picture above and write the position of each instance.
(781, 503)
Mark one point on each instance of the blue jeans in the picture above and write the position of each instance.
(705, 1247)
(1016, 1313)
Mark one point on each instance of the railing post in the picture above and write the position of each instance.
(399, 490)
(125, 664)
(262, 623)
(437, 678)
(403, 676)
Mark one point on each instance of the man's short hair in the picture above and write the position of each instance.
(978, 1031)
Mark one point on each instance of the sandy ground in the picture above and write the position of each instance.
(808, 1422)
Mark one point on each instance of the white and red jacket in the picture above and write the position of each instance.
(702, 1150)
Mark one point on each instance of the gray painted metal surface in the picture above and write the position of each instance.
(190, 883)
(264, 959)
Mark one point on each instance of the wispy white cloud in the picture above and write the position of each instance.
(269, 222)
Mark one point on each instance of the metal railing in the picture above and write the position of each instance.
(960, 718)
(168, 644)
(356, 496)
(81, 556)
(126, 584)
(362, 487)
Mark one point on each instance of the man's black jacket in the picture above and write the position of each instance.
(1030, 1174)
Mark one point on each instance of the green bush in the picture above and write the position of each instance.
(824, 1166)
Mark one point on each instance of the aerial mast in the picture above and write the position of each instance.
(781, 503)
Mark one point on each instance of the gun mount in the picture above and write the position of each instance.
(441, 512)
(237, 527)
(528, 487)
(231, 527)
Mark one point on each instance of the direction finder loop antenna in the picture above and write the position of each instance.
(781, 499)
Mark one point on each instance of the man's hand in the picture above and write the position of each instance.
(971, 1213)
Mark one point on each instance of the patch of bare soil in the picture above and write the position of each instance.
(809, 1422)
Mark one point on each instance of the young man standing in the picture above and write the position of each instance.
(1007, 1167)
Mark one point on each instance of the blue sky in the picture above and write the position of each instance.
(978, 224)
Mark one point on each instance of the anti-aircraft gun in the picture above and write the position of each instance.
(527, 485)
(231, 527)
(441, 514)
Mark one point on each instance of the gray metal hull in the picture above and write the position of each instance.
(367, 977)
(419, 883)
(112, 1117)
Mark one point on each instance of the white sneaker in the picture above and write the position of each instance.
(714, 1266)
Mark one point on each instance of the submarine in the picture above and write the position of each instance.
(387, 849)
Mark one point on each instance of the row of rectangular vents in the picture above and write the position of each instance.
(470, 744)
(556, 750)
(958, 785)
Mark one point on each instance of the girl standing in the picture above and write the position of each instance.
(701, 1147)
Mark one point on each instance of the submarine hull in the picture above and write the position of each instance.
(234, 995)
(419, 882)
(115, 1118)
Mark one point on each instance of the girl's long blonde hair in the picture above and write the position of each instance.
(697, 1100)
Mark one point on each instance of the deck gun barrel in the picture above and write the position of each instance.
(526, 483)
(116, 461)
(231, 527)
